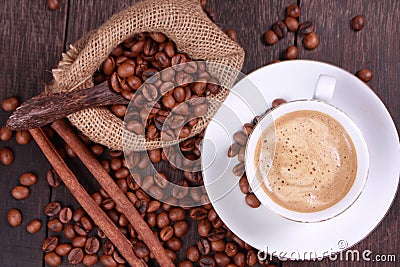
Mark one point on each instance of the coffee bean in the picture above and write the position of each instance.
(241, 154)
(181, 228)
(240, 259)
(292, 24)
(53, 5)
(108, 247)
(6, 156)
(193, 254)
(311, 41)
(240, 138)
(20, 192)
(5, 133)
(365, 75)
(63, 249)
(176, 60)
(204, 226)
(141, 250)
(280, 29)
(79, 229)
(75, 256)
(231, 34)
(174, 244)
(216, 234)
(166, 233)
(118, 258)
(198, 213)
(89, 260)
(69, 231)
(150, 47)
(52, 258)
(212, 215)
(213, 87)
(177, 214)
(251, 258)
(108, 261)
(135, 126)
(252, 201)
(204, 246)
(221, 259)
(10, 104)
(244, 185)
(34, 226)
(306, 27)
(293, 10)
(28, 179)
(162, 219)
(291, 52)
(357, 23)
(185, 264)
(23, 137)
(277, 102)
(92, 245)
(86, 223)
(238, 170)
(270, 37)
(207, 261)
(14, 217)
(52, 178)
(118, 110)
(233, 150)
(79, 241)
(52, 209)
(55, 225)
(218, 245)
(50, 243)
(65, 215)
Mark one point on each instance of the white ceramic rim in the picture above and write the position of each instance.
(359, 145)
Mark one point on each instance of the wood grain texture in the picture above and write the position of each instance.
(31, 42)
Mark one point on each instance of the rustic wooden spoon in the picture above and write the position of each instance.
(46, 108)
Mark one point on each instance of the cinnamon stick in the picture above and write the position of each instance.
(108, 184)
(84, 199)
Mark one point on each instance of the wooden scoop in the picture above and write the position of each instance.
(46, 108)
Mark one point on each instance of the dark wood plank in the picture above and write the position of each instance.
(375, 47)
(32, 38)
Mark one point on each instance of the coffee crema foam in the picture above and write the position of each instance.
(307, 162)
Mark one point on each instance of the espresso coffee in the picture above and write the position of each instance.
(306, 160)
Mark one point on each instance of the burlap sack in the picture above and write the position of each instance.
(184, 22)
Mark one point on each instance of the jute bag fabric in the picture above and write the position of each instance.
(185, 23)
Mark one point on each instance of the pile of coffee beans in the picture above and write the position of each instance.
(237, 149)
(281, 28)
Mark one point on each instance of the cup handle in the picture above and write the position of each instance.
(325, 88)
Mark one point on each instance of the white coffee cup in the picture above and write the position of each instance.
(323, 93)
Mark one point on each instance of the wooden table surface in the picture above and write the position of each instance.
(33, 37)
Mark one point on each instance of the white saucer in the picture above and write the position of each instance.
(260, 227)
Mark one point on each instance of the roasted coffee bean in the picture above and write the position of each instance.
(291, 52)
(174, 244)
(238, 170)
(23, 137)
(75, 256)
(218, 246)
(150, 47)
(51, 258)
(231, 34)
(10, 104)
(79, 213)
(118, 110)
(65, 215)
(233, 150)
(97, 198)
(158, 37)
(34, 226)
(248, 128)
(277, 102)
(241, 154)
(198, 213)
(79, 241)
(240, 259)
(108, 65)
(193, 254)
(177, 214)
(221, 259)
(216, 234)
(92, 245)
(68, 150)
(20, 192)
(293, 10)
(97, 149)
(207, 261)
(203, 227)
(108, 261)
(357, 23)
(212, 215)
(55, 225)
(52, 209)
(213, 87)
(251, 258)
(252, 201)
(63, 249)
(365, 75)
(79, 229)
(292, 24)
(121, 173)
(181, 228)
(166, 233)
(5, 133)
(185, 264)
(204, 246)
(306, 27)
(176, 60)
(86, 223)
(89, 260)
(28, 179)
(69, 231)
(6, 156)
(53, 5)
(240, 138)
(217, 223)
(117, 257)
(231, 249)
(162, 219)
(108, 247)
(52, 178)
(180, 191)
(244, 185)
(14, 217)
(154, 155)
(280, 29)
(125, 70)
(311, 41)
(50, 243)
(141, 250)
